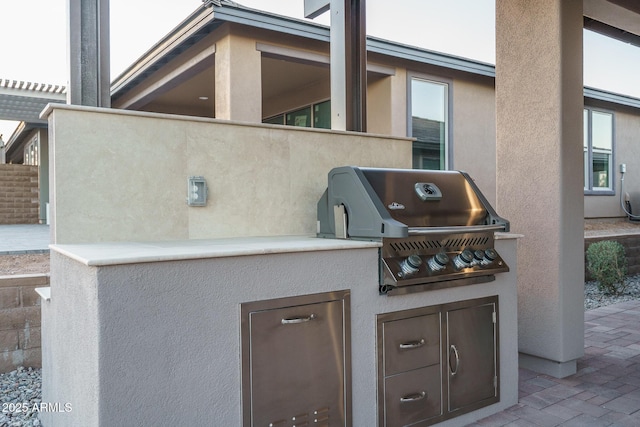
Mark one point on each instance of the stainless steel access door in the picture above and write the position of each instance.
(297, 365)
(472, 358)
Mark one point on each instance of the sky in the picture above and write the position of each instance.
(33, 36)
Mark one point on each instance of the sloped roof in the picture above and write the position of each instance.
(23, 101)
(211, 15)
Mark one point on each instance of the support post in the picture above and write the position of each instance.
(539, 107)
(88, 50)
(356, 65)
(348, 65)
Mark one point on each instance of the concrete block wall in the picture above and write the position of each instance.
(19, 197)
(631, 245)
(20, 321)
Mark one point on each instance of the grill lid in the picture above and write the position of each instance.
(402, 202)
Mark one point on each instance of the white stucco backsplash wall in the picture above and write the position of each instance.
(121, 175)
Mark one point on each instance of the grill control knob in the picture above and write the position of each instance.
(490, 255)
(463, 259)
(438, 262)
(410, 266)
(478, 257)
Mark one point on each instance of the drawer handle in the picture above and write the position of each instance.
(294, 320)
(413, 397)
(411, 344)
(455, 353)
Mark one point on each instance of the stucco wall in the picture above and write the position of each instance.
(626, 150)
(474, 133)
(72, 338)
(164, 337)
(237, 66)
(539, 103)
(121, 175)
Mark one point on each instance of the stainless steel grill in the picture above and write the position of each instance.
(436, 227)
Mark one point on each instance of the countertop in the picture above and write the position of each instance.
(114, 253)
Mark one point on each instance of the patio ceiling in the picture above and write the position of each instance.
(618, 19)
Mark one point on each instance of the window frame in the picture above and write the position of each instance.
(283, 114)
(31, 152)
(415, 75)
(589, 190)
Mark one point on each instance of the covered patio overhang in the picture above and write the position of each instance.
(618, 19)
(23, 102)
(539, 107)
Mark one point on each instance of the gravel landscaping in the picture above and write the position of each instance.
(21, 397)
(594, 298)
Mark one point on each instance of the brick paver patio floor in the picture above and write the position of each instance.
(604, 392)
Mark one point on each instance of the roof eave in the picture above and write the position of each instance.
(161, 50)
(205, 19)
(424, 56)
(611, 97)
(202, 22)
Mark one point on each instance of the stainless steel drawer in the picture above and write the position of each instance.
(411, 343)
(412, 396)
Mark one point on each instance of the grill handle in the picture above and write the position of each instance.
(412, 344)
(457, 355)
(421, 231)
(296, 320)
(413, 397)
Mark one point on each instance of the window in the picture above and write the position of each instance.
(31, 152)
(322, 115)
(429, 123)
(275, 120)
(300, 118)
(598, 151)
(315, 115)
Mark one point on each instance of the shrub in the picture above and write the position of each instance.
(607, 263)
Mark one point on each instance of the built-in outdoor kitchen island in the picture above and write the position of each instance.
(212, 327)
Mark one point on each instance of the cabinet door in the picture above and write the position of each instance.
(297, 369)
(471, 346)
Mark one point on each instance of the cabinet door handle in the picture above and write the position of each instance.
(294, 320)
(413, 397)
(412, 344)
(455, 353)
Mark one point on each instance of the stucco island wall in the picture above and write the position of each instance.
(139, 334)
(122, 175)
